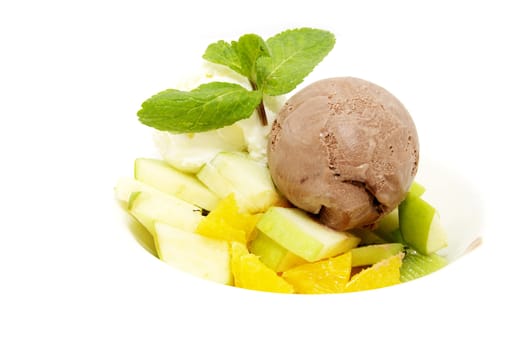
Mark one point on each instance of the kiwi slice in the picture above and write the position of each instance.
(417, 265)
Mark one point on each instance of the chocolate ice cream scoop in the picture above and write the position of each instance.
(345, 149)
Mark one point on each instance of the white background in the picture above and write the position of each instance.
(72, 77)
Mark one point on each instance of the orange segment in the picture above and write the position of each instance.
(250, 273)
(227, 223)
(382, 274)
(324, 276)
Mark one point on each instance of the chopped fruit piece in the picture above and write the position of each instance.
(161, 175)
(273, 254)
(397, 236)
(148, 208)
(416, 189)
(367, 236)
(250, 273)
(226, 222)
(388, 225)
(325, 276)
(201, 256)
(126, 186)
(420, 225)
(249, 180)
(371, 254)
(382, 274)
(141, 234)
(417, 265)
(297, 232)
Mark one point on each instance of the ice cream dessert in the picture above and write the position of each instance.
(345, 149)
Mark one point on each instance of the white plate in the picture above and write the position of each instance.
(72, 80)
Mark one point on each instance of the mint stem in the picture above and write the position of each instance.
(261, 113)
(261, 107)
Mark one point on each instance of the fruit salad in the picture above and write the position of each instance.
(239, 197)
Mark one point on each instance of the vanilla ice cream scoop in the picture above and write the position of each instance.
(344, 149)
(189, 152)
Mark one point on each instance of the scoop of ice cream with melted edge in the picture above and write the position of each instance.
(188, 152)
(344, 149)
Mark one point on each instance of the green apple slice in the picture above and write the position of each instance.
(387, 225)
(273, 254)
(165, 178)
(371, 254)
(397, 237)
(125, 186)
(297, 232)
(249, 180)
(416, 189)
(420, 226)
(367, 236)
(148, 208)
(201, 256)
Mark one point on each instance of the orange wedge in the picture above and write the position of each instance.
(382, 274)
(250, 273)
(324, 276)
(227, 222)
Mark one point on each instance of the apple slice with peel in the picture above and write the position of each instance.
(161, 175)
(371, 254)
(388, 225)
(300, 234)
(416, 189)
(249, 180)
(273, 254)
(367, 236)
(201, 256)
(420, 225)
(125, 186)
(148, 208)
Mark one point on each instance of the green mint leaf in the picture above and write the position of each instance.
(294, 54)
(209, 106)
(249, 48)
(240, 56)
(223, 53)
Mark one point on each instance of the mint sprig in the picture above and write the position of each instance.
(295, 53)
(274, 67)
(210, 106)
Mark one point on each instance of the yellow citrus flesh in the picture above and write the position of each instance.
(227, 223)
(250, 273)
(382, 274)
(324, 276)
